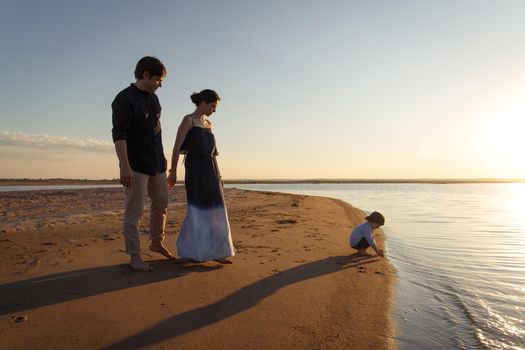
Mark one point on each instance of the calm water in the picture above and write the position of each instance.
(459, 252)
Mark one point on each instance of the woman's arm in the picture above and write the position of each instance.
(184, 127)
(218, 171)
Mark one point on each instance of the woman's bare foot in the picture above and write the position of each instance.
(183, 261)
(138, 264)
(224, 261)
(159, 248)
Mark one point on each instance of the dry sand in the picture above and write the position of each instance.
(294, 284)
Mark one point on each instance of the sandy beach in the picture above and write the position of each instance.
(295, 283)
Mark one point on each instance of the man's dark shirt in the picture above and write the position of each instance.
(136, 115)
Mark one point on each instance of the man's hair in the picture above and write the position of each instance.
(150, 64)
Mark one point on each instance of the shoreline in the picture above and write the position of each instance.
(294, 282)
(65, 182)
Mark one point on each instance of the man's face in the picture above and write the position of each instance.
(152, 83)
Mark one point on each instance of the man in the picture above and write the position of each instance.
(138, 144)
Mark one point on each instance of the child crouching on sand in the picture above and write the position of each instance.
(361, 237)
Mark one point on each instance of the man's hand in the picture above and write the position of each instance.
(172, 178)
(126, 176)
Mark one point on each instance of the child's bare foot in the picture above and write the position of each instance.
(363, 253)
(159, 248)
(224, 261)
(138, 264)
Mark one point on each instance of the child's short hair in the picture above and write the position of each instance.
(376, 217)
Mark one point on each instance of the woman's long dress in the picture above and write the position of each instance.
(205, 233)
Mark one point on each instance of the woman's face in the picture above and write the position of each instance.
(210, 108)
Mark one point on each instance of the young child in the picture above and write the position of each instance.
(361, 237)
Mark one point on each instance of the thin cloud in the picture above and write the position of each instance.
(21, 139)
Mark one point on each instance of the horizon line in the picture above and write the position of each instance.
(295, 180)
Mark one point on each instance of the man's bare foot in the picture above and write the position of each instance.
(363, 253)
(159, 248)
(224, 261)
(138, 264)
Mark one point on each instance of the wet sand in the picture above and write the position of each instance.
(294, 284)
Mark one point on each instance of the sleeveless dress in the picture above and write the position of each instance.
(205, 233)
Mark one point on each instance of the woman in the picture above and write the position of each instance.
(205, 233)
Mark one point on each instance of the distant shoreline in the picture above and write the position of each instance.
(58, 182)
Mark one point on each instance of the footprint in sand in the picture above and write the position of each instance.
(286, 221)
(20, 319)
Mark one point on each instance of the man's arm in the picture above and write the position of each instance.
(126, 173)
(122, 115)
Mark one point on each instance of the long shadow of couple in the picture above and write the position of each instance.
(48, 290)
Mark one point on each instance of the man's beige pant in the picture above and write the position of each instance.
(157, 189)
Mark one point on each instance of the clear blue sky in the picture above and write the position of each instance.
(310, 89)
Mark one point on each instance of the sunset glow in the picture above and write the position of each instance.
(502, 137)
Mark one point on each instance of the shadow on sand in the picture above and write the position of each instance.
(238, 301)
(72, 285)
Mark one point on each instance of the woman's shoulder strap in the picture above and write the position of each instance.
(188, 119)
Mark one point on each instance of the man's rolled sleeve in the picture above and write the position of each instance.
(122, 116)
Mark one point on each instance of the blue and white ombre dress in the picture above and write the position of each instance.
(205, 234)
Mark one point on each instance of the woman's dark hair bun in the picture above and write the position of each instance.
(195, 98)
(206, 95)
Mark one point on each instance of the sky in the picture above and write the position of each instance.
(309, 89)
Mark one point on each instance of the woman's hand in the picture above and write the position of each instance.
(172, 178)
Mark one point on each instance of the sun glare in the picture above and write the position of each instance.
(502, 138)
